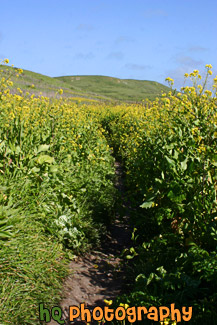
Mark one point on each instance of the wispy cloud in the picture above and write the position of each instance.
(155, 13)
(115, 55)
(188, 61)
(184, 64)
(137, 67)
(85, 27)
(197, 48)
(124, 39)
(84, 56)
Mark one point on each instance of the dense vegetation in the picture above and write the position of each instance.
(57, 194)
(56, 190)
(169, 154)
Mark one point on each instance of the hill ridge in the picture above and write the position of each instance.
(88, 87)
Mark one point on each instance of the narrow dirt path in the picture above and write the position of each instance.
(99, 275)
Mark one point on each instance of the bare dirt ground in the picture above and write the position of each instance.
(99, 275)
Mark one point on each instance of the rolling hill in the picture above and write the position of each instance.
(115, 88)
(87, 88)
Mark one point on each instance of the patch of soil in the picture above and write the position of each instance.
(99, 275)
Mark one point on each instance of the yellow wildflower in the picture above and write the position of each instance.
(208, 92)
(108, 302)
(124, 305)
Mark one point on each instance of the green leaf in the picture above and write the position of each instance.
(170, 161)
(147, 204)
(45, 159)
(54, 169)
(43, 147)
(150, 278)
(149, 200)
(17, 150)
(176, 198)
(129, 257)
(141, 277)
(184, 164)
(34, 170)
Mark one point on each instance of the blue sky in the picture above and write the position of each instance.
(140, 39)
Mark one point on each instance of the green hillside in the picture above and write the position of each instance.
(36, 83)
(114, 88)
(86, 88)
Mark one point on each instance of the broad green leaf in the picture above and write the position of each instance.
(45, 159)
(170, 161)
(17, 150)
(43, 147)
(184, 164)
(54, 169)
(175, 197)
(147, 204)
(34, 170)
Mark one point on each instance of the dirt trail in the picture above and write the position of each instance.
(99, 275)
